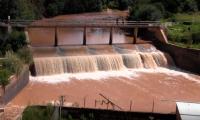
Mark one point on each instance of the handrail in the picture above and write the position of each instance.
(64, 23)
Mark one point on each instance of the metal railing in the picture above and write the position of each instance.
(77, 23)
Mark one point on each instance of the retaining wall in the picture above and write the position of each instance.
(15, 87)
(184, 58)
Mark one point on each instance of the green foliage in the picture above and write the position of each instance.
(13, 42)
(57, 7)
(4, 78)
(25, 10)
(38, 113)
(21, 9)
(185, 35)
(166, 7)
(25, 55)
(17, 40)
(123, 4)
(12, 63)
(145, 13)
(8, 7)
(189, 6)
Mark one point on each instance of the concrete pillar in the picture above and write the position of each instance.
(111, 36)
(27, 35)
(135, 34)
(56, 37)
(84, 36)
(9, 25)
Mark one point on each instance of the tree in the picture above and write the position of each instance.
(13, 63)
(145, 13)
(123, 4)
(25, 55)
(4, 79)
(189, 6)
(8, 8)
(17, 40)
(25, 10)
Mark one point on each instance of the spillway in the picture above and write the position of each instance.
(116, 60)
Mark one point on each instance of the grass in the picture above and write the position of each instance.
(186, 31)
(183, 45)
(192, 17)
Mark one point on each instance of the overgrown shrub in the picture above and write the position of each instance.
(123, 4)
(25, 55)
(4, 78)
(12, 63)
(13, 42)
(196, 37)
(145, 13)
(185, 35)
(38, 113)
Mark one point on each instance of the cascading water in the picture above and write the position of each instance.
(109, 62)
(132, 60)
(76, 64)
(148, 60)
(101, 62)
(49, 66)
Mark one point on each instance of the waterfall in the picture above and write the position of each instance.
(148, 60)
(104, 62)
(49, 66)
(132, 60)
(109, 62)
(76, 64)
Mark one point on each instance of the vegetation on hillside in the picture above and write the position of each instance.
(36, 9)
(12, 41)
(14, 55)
(185, 34)
(161, 9)
(13, 64)
(184, 13)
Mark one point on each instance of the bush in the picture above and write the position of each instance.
(145, 13)
(189, 6)
(13, 42)
(4, 78)
(123, 4)
(12, 63)
(25, 55)
(17, 40)
(196, 37)
(38, 113)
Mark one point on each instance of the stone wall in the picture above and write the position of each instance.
(184, 58)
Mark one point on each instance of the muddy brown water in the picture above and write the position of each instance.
(162, 88)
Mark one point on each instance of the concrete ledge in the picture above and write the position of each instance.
(184, 58)
(160, 34)
(15, 87)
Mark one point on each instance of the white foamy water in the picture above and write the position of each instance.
(99, 75)
(102, 75)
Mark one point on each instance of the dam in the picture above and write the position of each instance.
(115, 59)
(121, 61)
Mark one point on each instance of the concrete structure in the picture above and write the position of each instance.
(188, 111)
(15, 87)
(184, 58)
(153, 26)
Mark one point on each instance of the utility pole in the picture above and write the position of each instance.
(62, 100)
